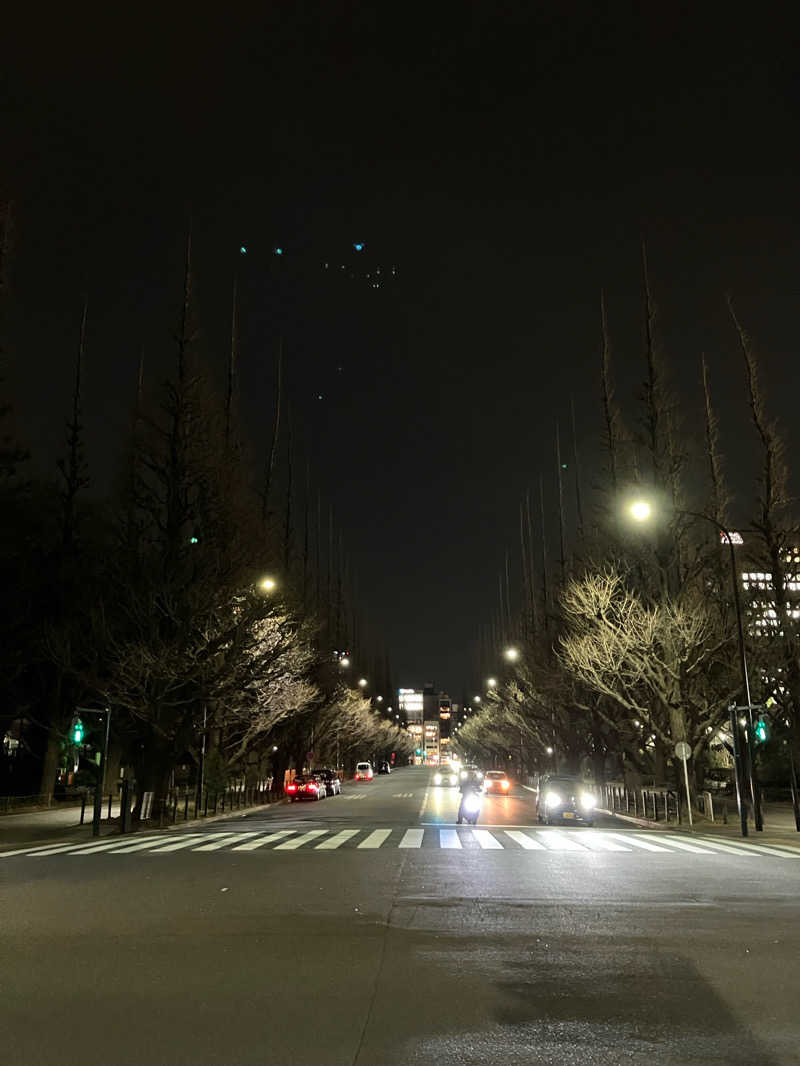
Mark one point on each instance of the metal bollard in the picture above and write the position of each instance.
(109, 806)
(83, 807)
(655, 807)
(215, 803)
(174, 807)
(186, 807)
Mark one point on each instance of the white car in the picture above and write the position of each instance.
(445, 775)
(364, 771)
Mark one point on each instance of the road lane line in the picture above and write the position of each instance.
(448, 838)
(336, 841)
(178, 845)
(76, 846)
(109, 845)
(637, 842)
(412, 838)
(558, 842)
(729, 848)
(144, 845)
(486, 840)
(526, 842)
(375, 839)
(268, 838)
(223, 840)
(298, 842)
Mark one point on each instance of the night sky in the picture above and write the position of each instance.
(505, 159)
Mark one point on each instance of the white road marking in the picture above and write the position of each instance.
(268, 838)
(223, 840)
(298, 842)
(638, 842)
(448, 838)
(601, 841)
(146, 845)
(336, 841)
(412, 838)
(179, 845)
(526, 842)
(486, 840)
(558, 842)
(741, 847)
(90, 849)
(375, 839)
(681, 845)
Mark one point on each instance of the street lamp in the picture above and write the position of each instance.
(476, 699)
(512, 654)
(641, 510)
(362, 682)
(344, 662)
(268, 584)
(379, 699)
(549, 751)
(492, 682)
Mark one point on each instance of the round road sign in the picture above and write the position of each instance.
(682, 750)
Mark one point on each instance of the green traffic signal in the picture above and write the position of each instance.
(761, 731)
(77, 731)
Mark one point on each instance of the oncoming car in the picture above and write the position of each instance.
(497, 782)
(445, 775)
(563, 798)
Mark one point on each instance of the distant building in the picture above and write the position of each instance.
(429, 718)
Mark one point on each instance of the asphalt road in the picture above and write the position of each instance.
(367, 929)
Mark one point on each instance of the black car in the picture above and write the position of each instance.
(563, 798)
(333, 783)
(384, 767)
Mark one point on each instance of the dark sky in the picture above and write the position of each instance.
(505, 158)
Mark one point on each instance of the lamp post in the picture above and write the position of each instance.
(641, 511)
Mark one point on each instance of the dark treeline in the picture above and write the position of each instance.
(617, 601)
(209, 594)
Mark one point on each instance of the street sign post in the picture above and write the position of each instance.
(683, 751)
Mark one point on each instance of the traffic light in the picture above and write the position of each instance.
(761, 731)
(418, 751)
(77, 731)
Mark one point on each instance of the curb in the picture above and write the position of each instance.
(645, 823)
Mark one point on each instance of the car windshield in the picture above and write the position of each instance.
(496, 775)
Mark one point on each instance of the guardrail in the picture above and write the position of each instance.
(655, 804)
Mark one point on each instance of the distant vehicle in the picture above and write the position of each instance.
(497, 782)
(306, 786)
(470, 769)
(333, 784)
(445, 775)
(562, 798)
(384, 767)
(363, 771)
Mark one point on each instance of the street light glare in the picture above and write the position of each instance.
(476, 699)
(362, 682)
(511, 654)
(492, 682)
(641, 510)
(268, 584)
(344, 662)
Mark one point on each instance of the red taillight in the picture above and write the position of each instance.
(291, 788)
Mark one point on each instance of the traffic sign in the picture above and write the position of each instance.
(682, 750)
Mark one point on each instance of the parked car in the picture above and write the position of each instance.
(384, 767)
(306, 786)
(563, 798)
(333, 783)
(363, 771)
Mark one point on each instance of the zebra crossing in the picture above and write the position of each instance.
(427, 838)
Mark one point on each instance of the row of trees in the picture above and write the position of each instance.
(178, 602)
(626, 640)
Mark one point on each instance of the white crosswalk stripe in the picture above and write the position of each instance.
(336, 841)
(375, 839)
(618, 846)
(412, 838)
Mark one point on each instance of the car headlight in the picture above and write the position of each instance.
(588, 802)
(453, 779)
(437, 779)
(472, 802)
(552, 799)
(463, 775)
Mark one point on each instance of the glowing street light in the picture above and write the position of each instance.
(549, 751)
(268, 584)
(344, 661)
(641, 510)
(492, 682)
(512, 654)
(362, 682)
(476, 699)
(379, 699)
